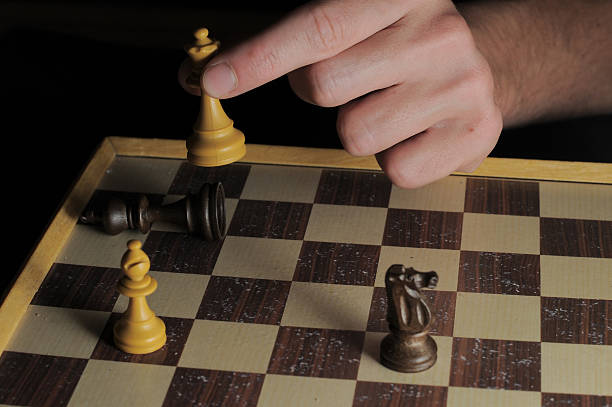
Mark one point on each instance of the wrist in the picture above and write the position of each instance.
(488, 23)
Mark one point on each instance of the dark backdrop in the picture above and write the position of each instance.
(73, 73)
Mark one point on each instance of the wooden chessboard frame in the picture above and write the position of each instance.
(44, 254)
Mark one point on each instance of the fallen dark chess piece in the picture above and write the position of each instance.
(201, 213)
(408, 348)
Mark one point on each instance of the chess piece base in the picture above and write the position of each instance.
(214, 141)
(408, 353)
(140, 337)
(215, 148)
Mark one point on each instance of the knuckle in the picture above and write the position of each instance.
(321, 85)
(476, 85)
(490, 125)
(327, 31)
(449, 35)
(480, 77)
(263, 61)
(452, 31)
(399, 174)
(353, 133)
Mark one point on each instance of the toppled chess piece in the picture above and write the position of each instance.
(201, 213)
(138, 331)
(408, 348)
(214, 140)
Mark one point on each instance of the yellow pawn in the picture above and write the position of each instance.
(139, 330)
(214, 141)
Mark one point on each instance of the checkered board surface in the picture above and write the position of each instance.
(289, 309)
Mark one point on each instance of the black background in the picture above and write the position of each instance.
(73, 73)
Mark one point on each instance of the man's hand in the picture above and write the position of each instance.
(412, 86)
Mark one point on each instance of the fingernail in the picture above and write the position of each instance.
(219, 79)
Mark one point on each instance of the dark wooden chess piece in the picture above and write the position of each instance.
(201, 213)
(408, 348)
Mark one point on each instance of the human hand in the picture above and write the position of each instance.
(412, 86)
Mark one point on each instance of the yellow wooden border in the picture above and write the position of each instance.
(42, 258)
(51, 243)
(319, 157)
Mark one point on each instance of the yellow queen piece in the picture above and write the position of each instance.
(214, 141)
(139, 330)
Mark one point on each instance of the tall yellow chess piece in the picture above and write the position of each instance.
(139, 330)
(214, 140)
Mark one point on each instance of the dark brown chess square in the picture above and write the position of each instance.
(200, 387)
(441, 304)
(575, 400)
(372, 394)
(270, 219)
(244, 300)
(317, 352)
(576, 320)
(38, 380)
(177, 331)
(576, 237)
(337, 263)
(190, 178)
(495, 364)
(502, 197)
(426, 229)
(353, 188)
(499, 273)
(81, 287)
(181, 253)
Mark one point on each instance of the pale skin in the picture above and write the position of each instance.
(424, 86)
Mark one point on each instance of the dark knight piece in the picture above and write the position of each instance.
(202, 213)
(408, 348)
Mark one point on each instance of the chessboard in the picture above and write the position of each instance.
(289, 309)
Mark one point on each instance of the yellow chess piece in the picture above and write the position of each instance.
(139, 330)
(214, 140)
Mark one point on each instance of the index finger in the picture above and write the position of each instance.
(310, 34)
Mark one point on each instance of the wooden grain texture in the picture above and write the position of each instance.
(38, 264)
(499, 273)
(332, 158)
(576, 237)
(576, 320)
(204, 387)
(77, 286)
(502, 197)
(248, 300)
(314, 352)
(270, 219)
(575, 400)
(372, 394)
(353, 188)
(426, 229)
(514, 366)
(38, 380)
(173, 252)
(337, 263)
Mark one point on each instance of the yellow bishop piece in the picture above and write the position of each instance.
(214, 141)
(138, 331)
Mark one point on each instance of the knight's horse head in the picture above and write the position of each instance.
(428, 279)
